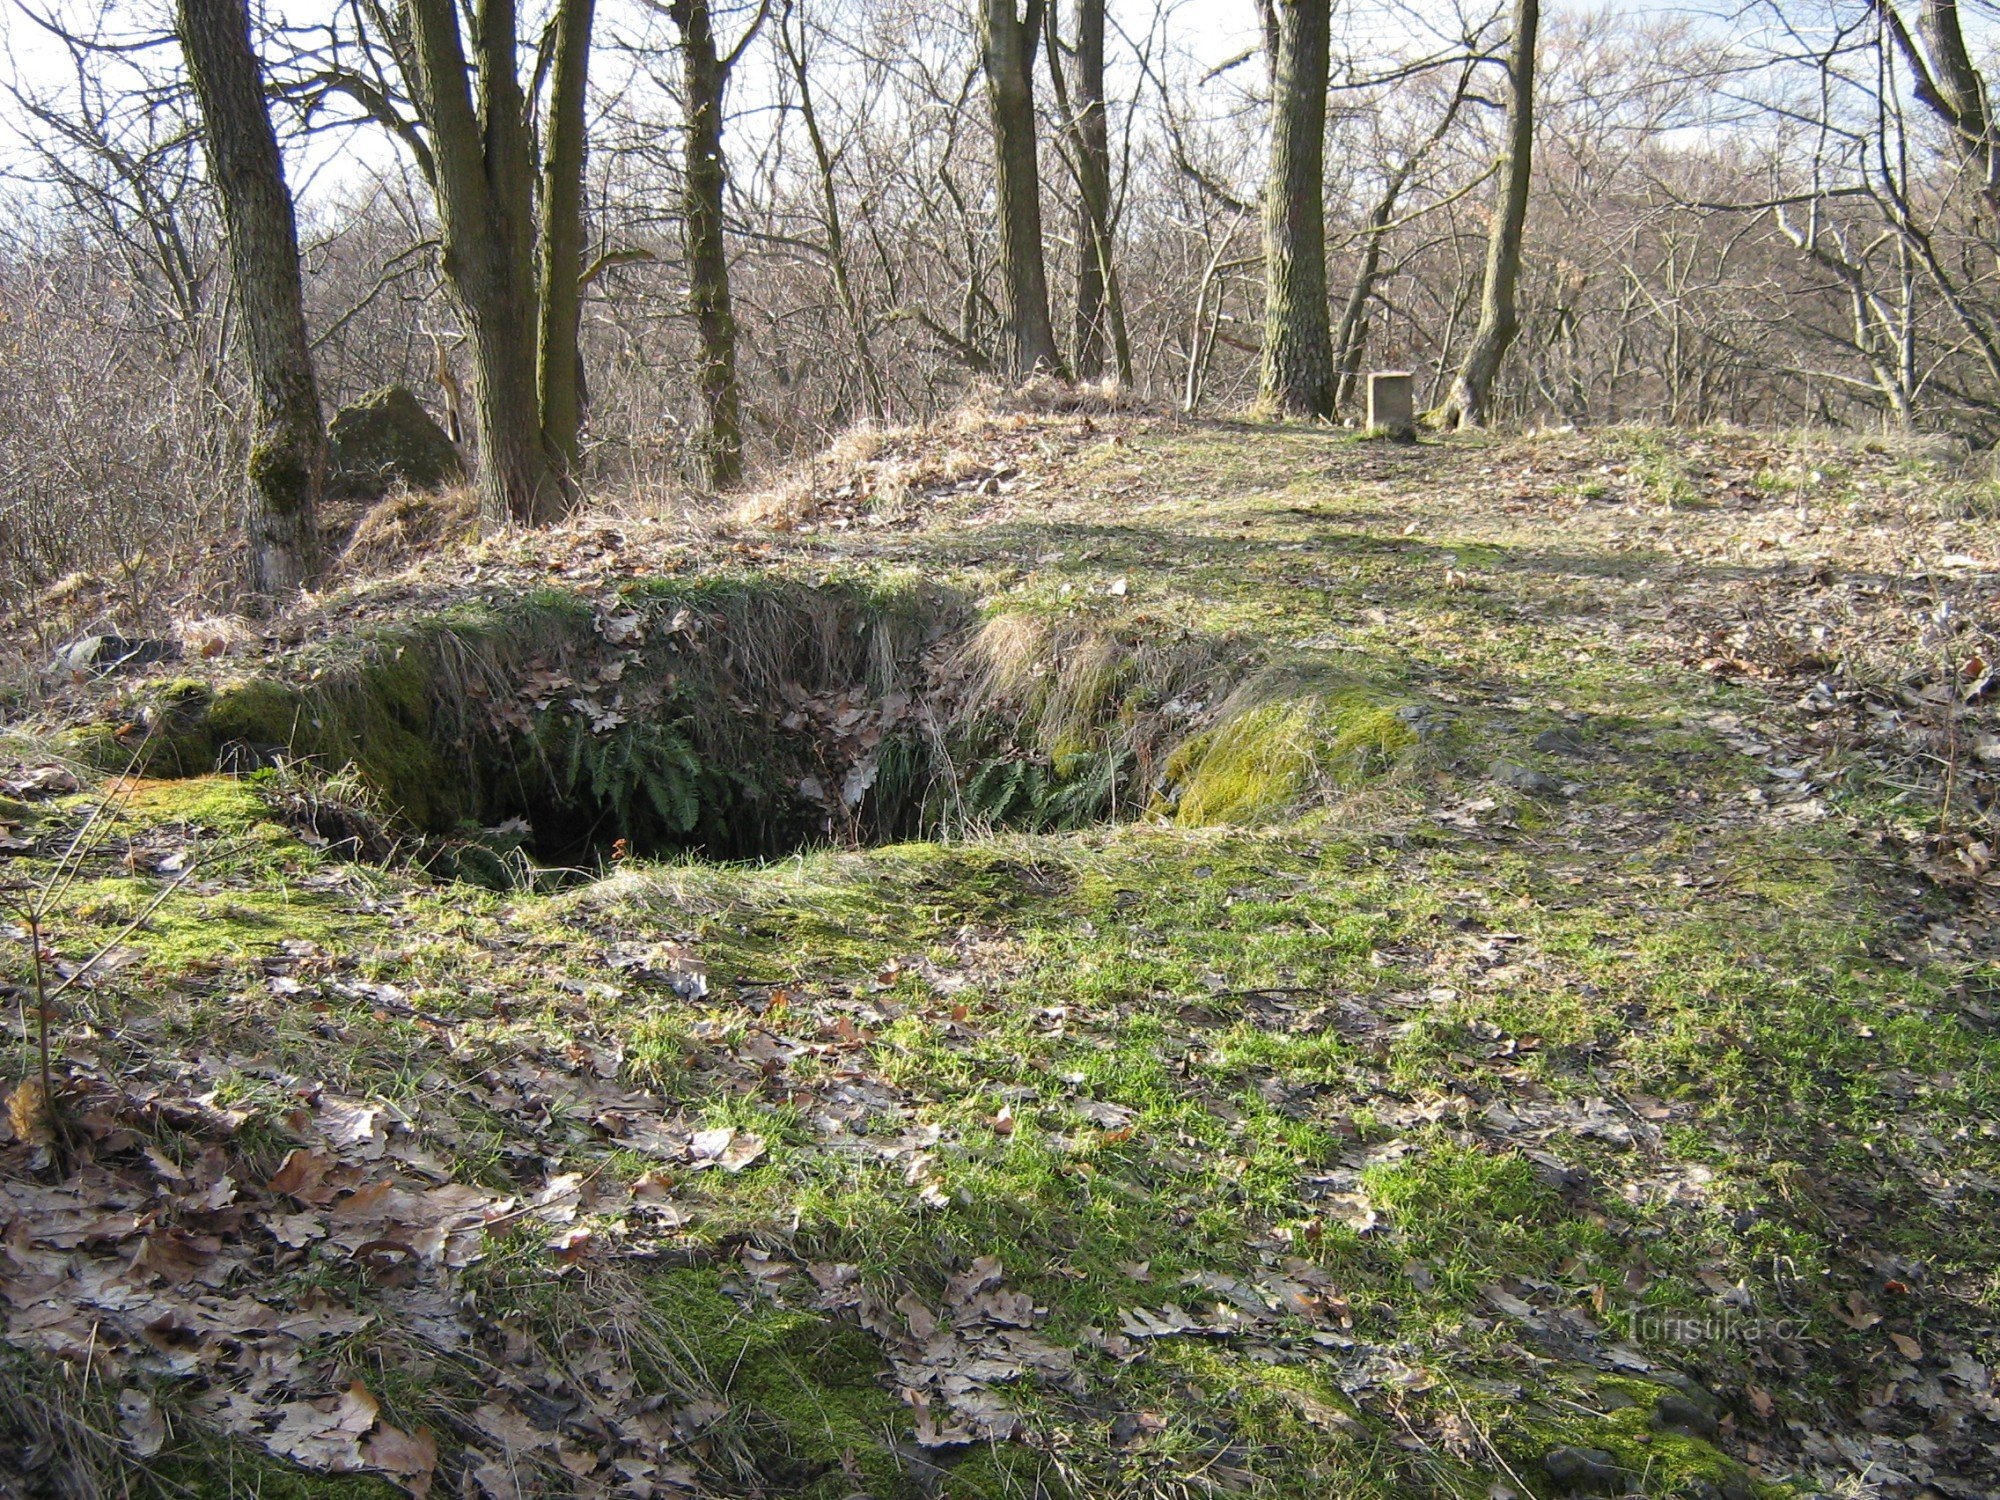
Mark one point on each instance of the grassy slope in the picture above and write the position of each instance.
(1684, 1043)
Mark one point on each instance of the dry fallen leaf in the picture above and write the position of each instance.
(740, 1153)
(27, 1114)
(302, 1175)
(326, 1434)
(707, 1145)
(1859, 1314)
(410, 1458)
(572, 1244)
(1906, 1346)
(140, 1420)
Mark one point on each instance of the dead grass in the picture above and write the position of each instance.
(406, 527)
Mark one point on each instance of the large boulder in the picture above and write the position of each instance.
(384, 440)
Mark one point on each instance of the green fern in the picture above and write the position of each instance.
(644, 773)
(1044, 797)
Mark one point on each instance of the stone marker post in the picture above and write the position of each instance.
(1392, 406)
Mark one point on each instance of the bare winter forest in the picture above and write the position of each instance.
(999, 750)
(634, 250)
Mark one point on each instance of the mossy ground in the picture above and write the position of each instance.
(1554, 1099)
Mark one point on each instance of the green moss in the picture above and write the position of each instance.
(193, 933)
(1276, 754)
(217, 803)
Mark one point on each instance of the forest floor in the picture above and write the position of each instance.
(1588, 1084)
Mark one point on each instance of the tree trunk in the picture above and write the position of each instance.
(559, 367)
(1100, 309)
(1499, 318)
(706, 76)
(484, 181)
(287, 466)
(1949, 84)
(874, 399)
(1010, 42)
(1350, 338)
(1297, 377)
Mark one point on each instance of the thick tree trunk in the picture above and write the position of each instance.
(1297, 377)
(705, 77)
(484, 180)
(1011, 41)
(288, 451)
(1100, 311)
(1499, 319)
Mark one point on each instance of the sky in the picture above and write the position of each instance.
(1211, 31)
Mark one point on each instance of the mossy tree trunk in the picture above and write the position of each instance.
(1499, 316)
(1297, 378)
(559, 376)
(287, 467)
(1010, 40)
(513, 274)
(1100, 309)
(706, 75)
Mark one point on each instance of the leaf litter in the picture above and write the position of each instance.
(171, 1265)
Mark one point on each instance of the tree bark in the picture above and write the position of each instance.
(559, 367)
(1297, 378)
(1350, 336)
(705, 76)
(1499, 317)
(484, 181)
(1100, 309)
(1010, 41)
(287, 467)
(1949, 85)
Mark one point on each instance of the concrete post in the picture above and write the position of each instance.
(1392, 406)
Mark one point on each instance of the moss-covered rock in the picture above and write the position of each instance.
(385, 440)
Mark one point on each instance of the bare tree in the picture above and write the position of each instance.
(509, 202)
(832, 220)
(705, 77)
(1100, 309)
(1499, 316)
(287, 460)
(1010, 40)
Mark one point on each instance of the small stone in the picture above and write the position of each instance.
(101, 655)
(1559, 742)
(1524, 779)
(1422, 720)
(1392, 405)
(1674, 1412)
(1582, 1468)
(1694, 1390)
